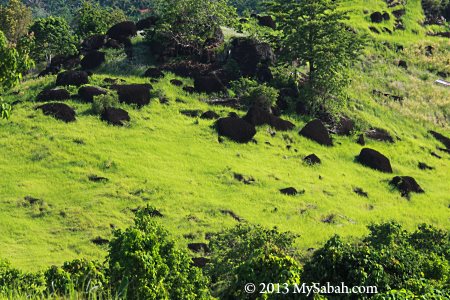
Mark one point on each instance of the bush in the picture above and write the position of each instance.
(389, 258)
(145, 264)
(15, 282)
(103, 102)
(5, 110)
(251, 93)
(249, 253)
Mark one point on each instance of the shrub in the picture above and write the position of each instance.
(103, 102)
(15, 282)
(251, 93)
(389, 258)
(5, 110)
(249, 253)
(145, 264)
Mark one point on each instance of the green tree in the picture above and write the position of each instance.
(190, 22)
(15, 18)
(315, 34)
(249, 253)
(144, 263)
(9, 63)
(52, 36)
(390, 259)
(91, 19)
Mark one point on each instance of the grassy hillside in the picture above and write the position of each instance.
(176, 163)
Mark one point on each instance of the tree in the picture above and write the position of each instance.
(390, 259)
(9, 62)
(315, 35)
(52, 37)
(250, 253)
(145, 264)
(190, 22)
(15, 18)
(91, 19)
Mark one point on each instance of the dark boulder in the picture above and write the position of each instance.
(122, 31)
(264, 74)
(403, 64)
(59, 111)
(93, 43)
(200, 262)
(361, 140)
(280, 124)
(93, 60)
(50, 70)
(53, 95)
(67, 62)
(115, 116)
(193, 113)
(198, 247)
(209, 115)
(312, 159)
(360, 192)
(406, 185)
(441, 138)
(154, 73)
(251, 55)
(375, 160)
(344, 126)
(100, 241)
(424, 166)
(189, 89)
(258, 116)
(209, 84)
(399, 13)
(236, 129)
(176, 82)
(216, 39)
(113, 44)
(76, 78)
(87, 93)
(267, 21)
(316, 131)
(386, 16)
(146, 23)
(376, 17)
(138, 94)
(379, 134)
(290, 191)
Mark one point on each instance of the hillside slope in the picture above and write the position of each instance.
(176, 163)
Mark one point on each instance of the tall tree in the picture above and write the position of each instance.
(52, 37)
(91, 18)
(9, 62)
(315, 34)
(15, 18)
(191, 22)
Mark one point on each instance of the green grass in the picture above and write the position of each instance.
(176, 163)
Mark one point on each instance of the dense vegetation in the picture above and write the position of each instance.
(104, 210)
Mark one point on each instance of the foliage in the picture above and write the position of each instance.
(251, 93)
(92, 19)
(5, 110)
(315, 34)
(251, 253)
(389, 258)
(190, 22)
(102, 102)
(15, 281)
(144, 263)
(246, 7)
(9, 64)
(78, 275)
(15, 18)
(52, 36)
